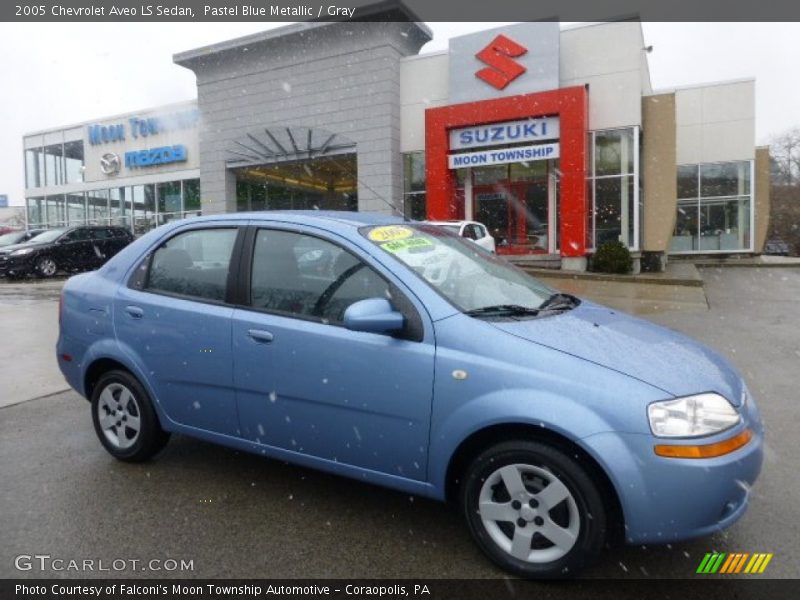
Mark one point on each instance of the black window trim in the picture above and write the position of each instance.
(242, 289)
(140, 278)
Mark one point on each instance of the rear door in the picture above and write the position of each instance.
(117, 240)
(74, 250)
(175, 317)
(304, 382)
(101, 247)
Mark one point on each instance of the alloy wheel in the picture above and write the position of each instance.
(119, 415)
(47, 267)
(529, 513)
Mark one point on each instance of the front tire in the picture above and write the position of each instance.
(124, 418)
(533, 510)
(45, 267)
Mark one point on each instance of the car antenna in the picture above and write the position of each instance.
(377, 195)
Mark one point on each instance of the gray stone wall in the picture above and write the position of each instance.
(342, 77)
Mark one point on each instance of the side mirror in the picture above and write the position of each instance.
(373, 315)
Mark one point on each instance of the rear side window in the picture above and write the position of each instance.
(472, 232)
(309, 277)
(195, 264)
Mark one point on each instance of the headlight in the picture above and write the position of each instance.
(22, 251)
(693, 416)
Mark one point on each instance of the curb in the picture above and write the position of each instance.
(558, 274)
(42, 397)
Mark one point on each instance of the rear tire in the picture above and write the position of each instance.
(124, 418)
(533, 510)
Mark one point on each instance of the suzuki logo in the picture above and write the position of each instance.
(502, 70)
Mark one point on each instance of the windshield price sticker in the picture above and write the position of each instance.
(407, 244)
(390, 233)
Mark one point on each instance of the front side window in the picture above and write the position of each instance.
(308, 277)
(48, 236)
(194, 263)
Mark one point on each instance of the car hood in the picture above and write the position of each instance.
(12, 247)
(658, 356)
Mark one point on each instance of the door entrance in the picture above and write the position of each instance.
(517, 204)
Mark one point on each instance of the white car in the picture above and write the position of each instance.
(472, 230)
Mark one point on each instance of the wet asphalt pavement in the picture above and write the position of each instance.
(239, 515)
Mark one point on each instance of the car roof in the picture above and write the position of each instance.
(310, 217)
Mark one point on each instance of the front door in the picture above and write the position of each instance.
(308, 385)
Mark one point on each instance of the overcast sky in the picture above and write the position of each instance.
(56, 74)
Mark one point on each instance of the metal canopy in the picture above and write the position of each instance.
(282, 144)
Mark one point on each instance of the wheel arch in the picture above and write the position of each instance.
(483, 438)
(97, 369)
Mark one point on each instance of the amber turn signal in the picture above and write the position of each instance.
(706, 450)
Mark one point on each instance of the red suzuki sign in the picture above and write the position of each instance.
(499, 55)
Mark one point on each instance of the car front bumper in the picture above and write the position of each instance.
(15, 265)
(669, 499)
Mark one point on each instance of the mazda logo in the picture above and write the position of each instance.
(110, 163)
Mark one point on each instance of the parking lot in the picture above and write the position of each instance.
(237, 515)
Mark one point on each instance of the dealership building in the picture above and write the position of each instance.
(551, 136)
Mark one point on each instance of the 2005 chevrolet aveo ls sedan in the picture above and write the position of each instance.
(400, 354)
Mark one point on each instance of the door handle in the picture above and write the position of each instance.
(134, 311)
(259, 336)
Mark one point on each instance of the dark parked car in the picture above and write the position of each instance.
(18, 237)
(71, 249)
(777, 247)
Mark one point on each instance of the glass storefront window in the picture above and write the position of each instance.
(414, 172)
(724, 179)
(613, 152)
(73, 161)
(169, 197)
(713, 210)
(687, 181)
(324, 183)
(54, 206)
(97, 207)
(118, 200)
(144, 208)
(489, 175)
(36, 216)
(54, 164)
(525, 171)
(76, 209)
(614, 187)
(414, 197)
(34, 168)
(191, 197)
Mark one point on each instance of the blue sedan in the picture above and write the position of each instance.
(400, 354)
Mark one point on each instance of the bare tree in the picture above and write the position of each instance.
(785, 153)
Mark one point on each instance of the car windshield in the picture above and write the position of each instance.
(471, 279)
(451, 228)
(48, 236)
(11, 238)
